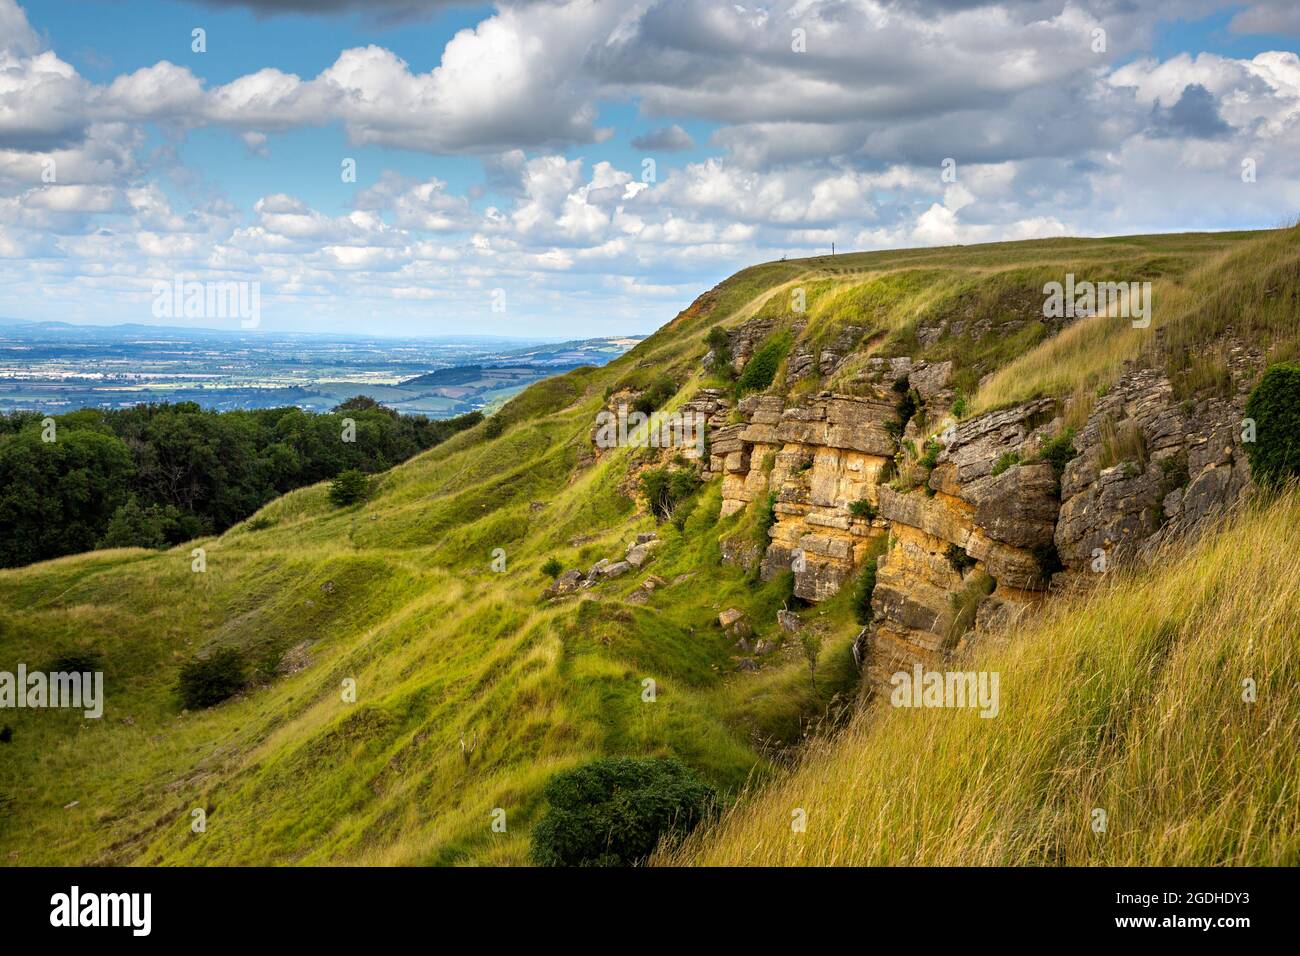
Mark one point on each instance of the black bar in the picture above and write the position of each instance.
(334, 905)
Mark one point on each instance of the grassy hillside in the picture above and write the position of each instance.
(1128, 699)
(398, 594)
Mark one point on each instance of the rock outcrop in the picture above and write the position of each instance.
(969, 523)
(980, 524)
(1151, 465)
(817, 459)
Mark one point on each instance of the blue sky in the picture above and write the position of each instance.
(502, 151)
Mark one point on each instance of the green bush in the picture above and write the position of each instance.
(495, 426)
(766, 518)
(866, 583)
(615, 810)
(654, 397)
(1058, 450)
(862, 508)
(666, 488)
(349, 487)
(75, 661)
(1008, 460)
(552, 567)
(931, 456)
(908, 403)
(760, 370)
(720, 344)
(965, 606)
(1274, 405)
(205, 681)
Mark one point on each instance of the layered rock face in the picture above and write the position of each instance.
(662, 438)
(969, 527)
(817, 458)
(1152, 466)
(1148, 466)
(973, 525)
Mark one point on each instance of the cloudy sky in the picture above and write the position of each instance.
(590, 167)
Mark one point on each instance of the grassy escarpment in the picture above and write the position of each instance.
(398, 594)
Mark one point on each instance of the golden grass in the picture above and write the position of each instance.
(1128, 699)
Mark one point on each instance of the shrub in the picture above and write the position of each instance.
(959, 406)
(760, 370)
(1008, 460)
(1058, 450)
(615, 810)
(866, 583)
(495, 426)
(75, 661)
(207, 681)
(666, 488)
(931, 456)
(552, 567)
(349, 487)
(654, 397)
(907, 407)
(1274, 406)
(961, 561)
(682, 512)
(862, 508)
(766, 518)
(720, 344)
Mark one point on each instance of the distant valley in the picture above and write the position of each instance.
(59, 367)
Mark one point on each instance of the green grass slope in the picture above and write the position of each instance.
(398, 595)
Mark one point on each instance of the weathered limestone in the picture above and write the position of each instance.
(819, 458)
(973, 523)
(1151, 466)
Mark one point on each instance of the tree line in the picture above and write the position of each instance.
(155, 475)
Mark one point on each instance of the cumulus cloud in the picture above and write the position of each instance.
(841, 137)
(665, 139)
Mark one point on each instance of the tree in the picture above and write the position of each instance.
(57, 497)
(136, 526)
(1274, 407)
(665, 488)
(810, 642)
(349, 487)
(615, 810)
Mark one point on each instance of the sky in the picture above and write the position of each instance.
(578, 169)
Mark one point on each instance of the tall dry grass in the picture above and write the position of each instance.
(1127, 700)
